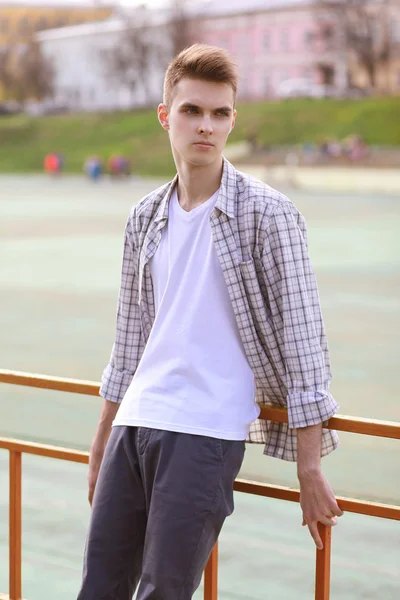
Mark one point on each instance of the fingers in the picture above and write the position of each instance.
(313, 528)
(337, 511)
(334, 509)
(91, 492)
(328, 521)
(92, 480)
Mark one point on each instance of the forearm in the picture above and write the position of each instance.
(108, 411)
(308, 450)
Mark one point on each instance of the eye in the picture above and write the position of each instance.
(222, 113)
(191, 110)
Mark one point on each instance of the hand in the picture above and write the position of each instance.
(95, 458)
(318, 504)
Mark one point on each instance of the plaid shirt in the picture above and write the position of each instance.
(261, 241)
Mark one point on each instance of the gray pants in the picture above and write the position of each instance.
(160, 502)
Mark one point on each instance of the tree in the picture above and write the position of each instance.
(364, 29)
(34, 74)
(128, 63)
(179, 27)
(25, 73)
(6, 73)
(148, 41)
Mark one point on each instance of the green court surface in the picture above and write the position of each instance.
(60, 254)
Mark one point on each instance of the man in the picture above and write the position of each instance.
(218, 307)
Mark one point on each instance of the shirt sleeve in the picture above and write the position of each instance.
(297, 319)
(126, 350)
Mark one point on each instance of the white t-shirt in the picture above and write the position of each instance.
(194, 376)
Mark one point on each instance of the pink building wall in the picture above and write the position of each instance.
(272, 46)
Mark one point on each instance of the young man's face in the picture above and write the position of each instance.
(199, 120)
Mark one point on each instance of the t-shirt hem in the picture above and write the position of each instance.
(223, 435)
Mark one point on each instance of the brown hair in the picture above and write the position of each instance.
(200, 61)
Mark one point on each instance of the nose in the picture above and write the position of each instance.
(205, 126)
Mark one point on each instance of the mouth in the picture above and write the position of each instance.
(204, 144)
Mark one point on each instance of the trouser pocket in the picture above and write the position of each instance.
(144, 435)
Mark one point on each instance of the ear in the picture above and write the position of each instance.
(162, 112)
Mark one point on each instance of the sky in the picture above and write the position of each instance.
(85, 2)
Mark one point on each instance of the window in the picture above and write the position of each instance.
(42, 23)
(23, 25)
(307, 74)
(243, 43)
(377, 31)
(223, 42)
(243, 87)
(3, 25)
(266, 85)
(284, 40)
(75, 96)
(395, 31)
(328, 36)
(308, 39)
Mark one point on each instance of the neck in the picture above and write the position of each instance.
(196, 184)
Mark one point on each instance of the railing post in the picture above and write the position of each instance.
(323, 565)
(211, 575)
(15, 530)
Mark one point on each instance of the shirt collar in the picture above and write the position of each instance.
(162, 212)
(227, 192)
(226, 197)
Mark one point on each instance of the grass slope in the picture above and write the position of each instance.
(25, 140)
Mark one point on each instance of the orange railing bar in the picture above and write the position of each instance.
(44, 450)
(211, 576)
(323, 564)
(373, 427)
(17, 447)
(15, 529)
(47, 382)
(363, 507)
(386, 429)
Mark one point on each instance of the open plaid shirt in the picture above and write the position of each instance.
(261, 241)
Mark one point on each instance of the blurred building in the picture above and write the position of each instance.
(85, 77)
(384, 47)
(272, 41)
(18, 22)
(275, 42)
(394, 52)
(279, 40)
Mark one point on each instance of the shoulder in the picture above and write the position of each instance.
(149, 203)
(143, 212)
(263, 199)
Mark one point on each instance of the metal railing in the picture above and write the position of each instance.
(16, 448)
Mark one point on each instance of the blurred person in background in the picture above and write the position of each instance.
(53, 163)
(119, 166)
(93, 167)
(218, 308)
